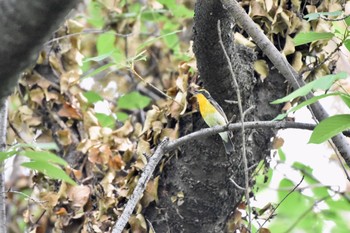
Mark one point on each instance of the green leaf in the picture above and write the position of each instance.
(294, 199)
(152, 40)
(122, 116)
(98, 70)
(330, 127)
(314, 16)
(339, 204)
(323, 83)
(105, 43)
(6, 154)
(44, 156)
(305, 103)
(347, 43)
(133, 100)
(347, 20)
(307, 37)
(100, 57)
(105, 120)
(282, 155)
(49, 170)
(96, 18)
(92, 97)
(346, 99)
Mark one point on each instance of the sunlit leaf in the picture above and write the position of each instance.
(133, 100)
(307, 37)
(347, 44)
(330, 127)
(44, 156)
(92, 97)
(122, 116)
(105, 120)
(323, 83)
(6, 154)
(49, 170)
(314, 16)
(305, 103)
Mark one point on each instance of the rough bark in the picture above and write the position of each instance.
(201, 170)
(24, 27)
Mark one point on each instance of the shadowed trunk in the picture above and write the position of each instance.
(201, 171)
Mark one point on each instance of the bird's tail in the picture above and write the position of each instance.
(226, 139)
(229, 148)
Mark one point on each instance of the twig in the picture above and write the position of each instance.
(242, 114)
(154, 87)
(27, 196)
(274, 209)
(86, 31)
(280, 62)
(307, 69)
(339, 19)
(237, 185)
(140, 187)
(3, 126)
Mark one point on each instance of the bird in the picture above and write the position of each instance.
(213, 115)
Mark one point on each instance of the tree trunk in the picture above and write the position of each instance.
(24, 27)
(201, 171)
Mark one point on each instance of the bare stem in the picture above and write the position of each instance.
(242, 114)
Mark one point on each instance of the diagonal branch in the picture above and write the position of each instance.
(281, 63)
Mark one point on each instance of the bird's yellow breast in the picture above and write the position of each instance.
(205, 107)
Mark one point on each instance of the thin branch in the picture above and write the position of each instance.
(154, 87)
(274, 209)
(242, 114)
(237, 185)
(280, 62)
(237, 126)
(3, 126)
(27, 196)
(140, 187)
(87, 31)
(339, 19)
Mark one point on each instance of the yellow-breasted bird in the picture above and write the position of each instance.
(213, 115)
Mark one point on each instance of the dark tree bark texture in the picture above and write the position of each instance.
(24, 27)
(201, 170)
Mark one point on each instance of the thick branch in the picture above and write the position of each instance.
(24, 27)
(166, 146)
(283, 66)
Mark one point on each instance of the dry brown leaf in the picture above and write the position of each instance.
(151, 192)
(297, 61)
(240, 39)
(78, 195)
(116, 162)
(277, 143)
(67, 110)
(64, 136)
(151, 115)
(261, 67)
(289, 47)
